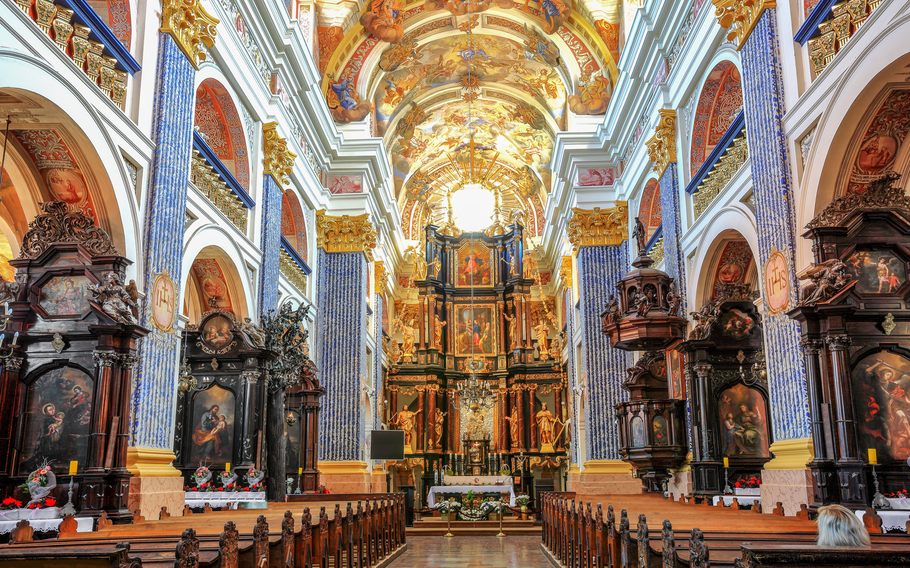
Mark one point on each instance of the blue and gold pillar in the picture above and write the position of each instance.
(755, 30)
(600, 240)
(278, 162)
(345, 251)
(156, 482)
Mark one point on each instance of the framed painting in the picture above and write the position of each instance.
(474, 265)
(64, 295)
(213, 426)
(881, 383)
(877, 271)
(58, 416)
(475, 329)
(217, 331)
(743, 422)
(676, 364)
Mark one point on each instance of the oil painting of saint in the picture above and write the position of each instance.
(877, 271)
(213, 423)
(64, 296)
(475, 332)
(217, 332)
(737, 324)
(474, 267)
(744, 424)
(881, 383)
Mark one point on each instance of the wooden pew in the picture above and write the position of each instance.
(791, 556)
(116, 556)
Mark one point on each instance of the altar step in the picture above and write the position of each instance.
(434, 526)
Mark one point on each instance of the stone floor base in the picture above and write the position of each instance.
(345, 477)
(680, 484)
(149, 494)
(792, 487)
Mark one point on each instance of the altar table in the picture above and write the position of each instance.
(479, 479)
(743, 500)
(83, 524)
(439, 489)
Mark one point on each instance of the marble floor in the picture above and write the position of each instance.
(472, 552)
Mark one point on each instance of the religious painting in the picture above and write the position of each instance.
(164, 296)
(64, 295)
(638, 432)
(212, 282)
(737, 324)
(735, 261)
(213, 426)
(294, 431)
(659, 430)
(345, 184)
(475, 330)
(881, 383)
(743, 422)
(217, 332)
(595, 177)
(877, 271)
(777, 282)
(58, 416)
(66, 185)
(474, 265)
(675, 374)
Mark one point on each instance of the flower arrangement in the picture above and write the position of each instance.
(47, 502)
(902, 494)
(201, 477)
(522, 500)
(10, 503)
(450, 471)
(504, 471)
(491, 506)
(39, 485)
(748, 482)
(228, 480)
(450, 506)
(254, 479)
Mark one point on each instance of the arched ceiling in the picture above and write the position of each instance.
(432, 73)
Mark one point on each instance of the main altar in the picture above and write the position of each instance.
(477, 310)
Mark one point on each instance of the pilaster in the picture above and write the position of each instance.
(270, 243)
(674, 260)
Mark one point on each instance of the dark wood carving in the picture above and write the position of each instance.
(301, 404)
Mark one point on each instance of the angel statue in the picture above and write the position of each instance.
(827, 279)
(114, 299)
(255, 333)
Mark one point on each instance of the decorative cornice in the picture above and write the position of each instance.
(345, 233)
(598, 227)
(380, 275)
(57, 224)
(565, 271)
(740, 17)
(189, 24)
(106, 358)
(662, 146)
(276, 158)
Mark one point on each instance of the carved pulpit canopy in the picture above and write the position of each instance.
(56, 224)
(880, 194)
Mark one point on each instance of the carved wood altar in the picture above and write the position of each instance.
(301, 405)
(65, 391)
(855, 330)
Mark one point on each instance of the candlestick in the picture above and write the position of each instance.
(299, 471)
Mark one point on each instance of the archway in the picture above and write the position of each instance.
(213, 281)
(721, 97)
(649, 207)
(293, 223)
(217, 119)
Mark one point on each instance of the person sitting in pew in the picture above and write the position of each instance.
(839, 527)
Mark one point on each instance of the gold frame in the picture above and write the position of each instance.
(764, 277)
(458, 309)
(489, 256)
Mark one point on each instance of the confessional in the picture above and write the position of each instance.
(221, 395)
(301, 405)
(68, 352)
(728, 390)
(855, 332)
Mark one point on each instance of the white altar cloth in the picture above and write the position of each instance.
(229, 499)
(891, 520)
(479, 479)
(431, 497)
(743, 500)
(83, 524)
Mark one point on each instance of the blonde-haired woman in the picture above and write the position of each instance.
(839, 527)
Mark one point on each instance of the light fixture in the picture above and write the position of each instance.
(472, 207)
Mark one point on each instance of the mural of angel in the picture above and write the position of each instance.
(594, 92)
(384, 20)
(344, 101)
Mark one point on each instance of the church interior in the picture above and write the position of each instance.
(454, 282)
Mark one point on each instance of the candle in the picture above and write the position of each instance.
(299, 471)
(2, 339)
(74, 465)
(726, 462)
(16, 339)
(227, 467)
(873, 455)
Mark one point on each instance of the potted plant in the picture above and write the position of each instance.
(448, 509)
(522, 502)
(491, 508)
(748, 486)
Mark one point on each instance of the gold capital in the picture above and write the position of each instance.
(662, 146)
(565, 271)
(380, 274)
(598, 227)
(189, 24)
(740, 17)
(277, 159)
(345, 233)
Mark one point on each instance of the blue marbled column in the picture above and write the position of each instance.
(674, 261)
(599, 269)
(154, 388)
(271, 245)
(774, 212)
(341, 292)
(377, 362)
(571, 372)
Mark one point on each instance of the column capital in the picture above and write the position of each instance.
(662, 146)
(812, 346)
(838, 342)
(599, 227)
(345, 234)
(277, 160)
(565, 271)
(380, 274)
(740, 17)
(190, 25)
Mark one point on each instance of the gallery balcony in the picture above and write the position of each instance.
(721, 165)
(293, 267)
(218, 184)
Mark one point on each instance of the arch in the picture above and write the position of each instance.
(90, 157)
(649, 207)
(721, 97)
(727, 225)
(217, 119)
(293, 223)
(212, 269)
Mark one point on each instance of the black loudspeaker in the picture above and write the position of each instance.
(387, 445)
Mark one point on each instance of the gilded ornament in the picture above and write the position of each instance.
(345, 233)
(888, 325)
(277, 159)
(662, 146)
(740, 17)
(717, 179)
(380, 276)
(189, 24)
(565, 271)
(598, 227)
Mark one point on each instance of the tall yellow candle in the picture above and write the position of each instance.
(873, 456)
(74, 466)
(299, 471)
(726, 462)
(227, 467)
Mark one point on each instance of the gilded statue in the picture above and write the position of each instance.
(545, 422)
(407, 336)
(514, 425)
(477, 430)
(513, 329)
(420, 264)
(440, 415)
(404, 421)
(254, 332)
(542, 330)
(114, 299)
(437, 332)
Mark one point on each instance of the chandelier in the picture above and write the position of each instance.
(472, 391)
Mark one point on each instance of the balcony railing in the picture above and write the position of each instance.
(655, 246)
(293, 267)
(214, 180)
(829, 27)
(722, 164)
(87, 40)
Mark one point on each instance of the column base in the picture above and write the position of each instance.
(680, 484)
(605, 477)
(345, 476)
(378, 480)
(155, 482)
(786, 479)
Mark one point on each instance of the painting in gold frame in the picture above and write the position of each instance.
(475, 329)
(474, 265)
